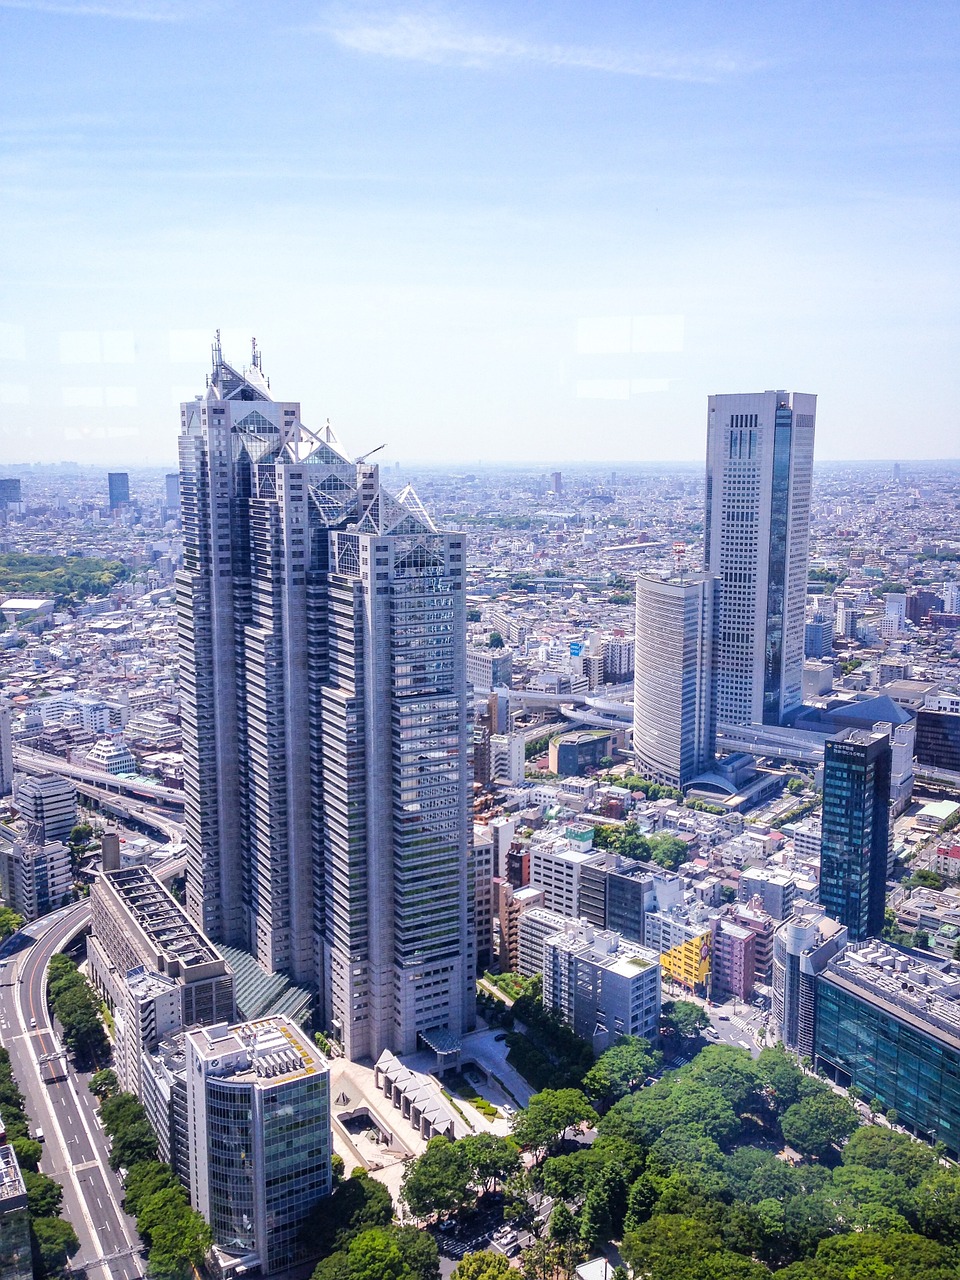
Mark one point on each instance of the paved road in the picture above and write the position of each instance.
(75, 1149)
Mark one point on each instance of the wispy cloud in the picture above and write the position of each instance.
(416, 37)
(127, 10)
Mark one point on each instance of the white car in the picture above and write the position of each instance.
(33, 1024)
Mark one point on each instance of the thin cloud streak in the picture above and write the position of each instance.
(124, 10)
(414, 38)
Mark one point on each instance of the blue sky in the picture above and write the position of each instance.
(518, 231)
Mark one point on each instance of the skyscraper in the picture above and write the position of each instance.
(856, 830)
(759, 467)
(322, 628)
(674, 703)
(118, 487)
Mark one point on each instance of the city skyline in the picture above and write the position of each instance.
(458, 224)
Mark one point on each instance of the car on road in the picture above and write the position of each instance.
(33, 1024)
(723, 1017)
(507, 1109)
(39, 1135)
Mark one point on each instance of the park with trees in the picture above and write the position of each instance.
(730, 1168)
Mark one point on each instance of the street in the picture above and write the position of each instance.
(76, 1149)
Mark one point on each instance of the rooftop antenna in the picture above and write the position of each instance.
(256, 357)
(369, 454)
(217, 351)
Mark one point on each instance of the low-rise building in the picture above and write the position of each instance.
(47, 805)
(604, 987)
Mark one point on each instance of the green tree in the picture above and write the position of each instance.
(563, 1225)
(938, 1206)
(814, 1125)
(145, 1180)
(439, 1181)
(781, 1078)
(376, 1255)
(419, 1251)
(357, 1203)
(104, 1083)
(620, 1069)
(483, 1266)
(54, 1243)
(134, 1144)
(872, 1256)
(44, 1195)
(596, 1226)
(548, 1115)
(179, 1246)
(492, 1159)
(683, 1018)
(10, 922)
(28, 1153)
(795, 786)
(730, 1070)
(496, 640)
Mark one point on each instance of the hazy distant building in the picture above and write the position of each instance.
(118, 487)
(490, 668)
(172, 489)
(757, 529)
(674, 699)
(9, 491)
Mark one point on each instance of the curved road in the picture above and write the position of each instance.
(76, 1149)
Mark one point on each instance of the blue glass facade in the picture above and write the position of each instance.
(856, 831)
(891, 1055)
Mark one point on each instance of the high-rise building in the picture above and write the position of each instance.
(855, 832)
(118, 487)
(9, 491)
(324, 708)
(674, 704)
(48, 806)
(6, 748)
(260, 1145)
(757, 529)
(172, 489)
(802, 947)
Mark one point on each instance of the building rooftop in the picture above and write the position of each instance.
(603, 947)
(11, 1179)
(269, 1049)
(924, 993)
(160, 916)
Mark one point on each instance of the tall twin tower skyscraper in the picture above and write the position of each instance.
(725, 647)
(324, 709)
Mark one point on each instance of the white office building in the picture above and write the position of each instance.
(48, 806)
(507, 758)
(674, 702)
(603, 986)
(555, 865)
(757, 529)
(35, 878)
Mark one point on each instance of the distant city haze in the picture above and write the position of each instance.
(480, 233)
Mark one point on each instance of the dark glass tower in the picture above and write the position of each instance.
(856, 830)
